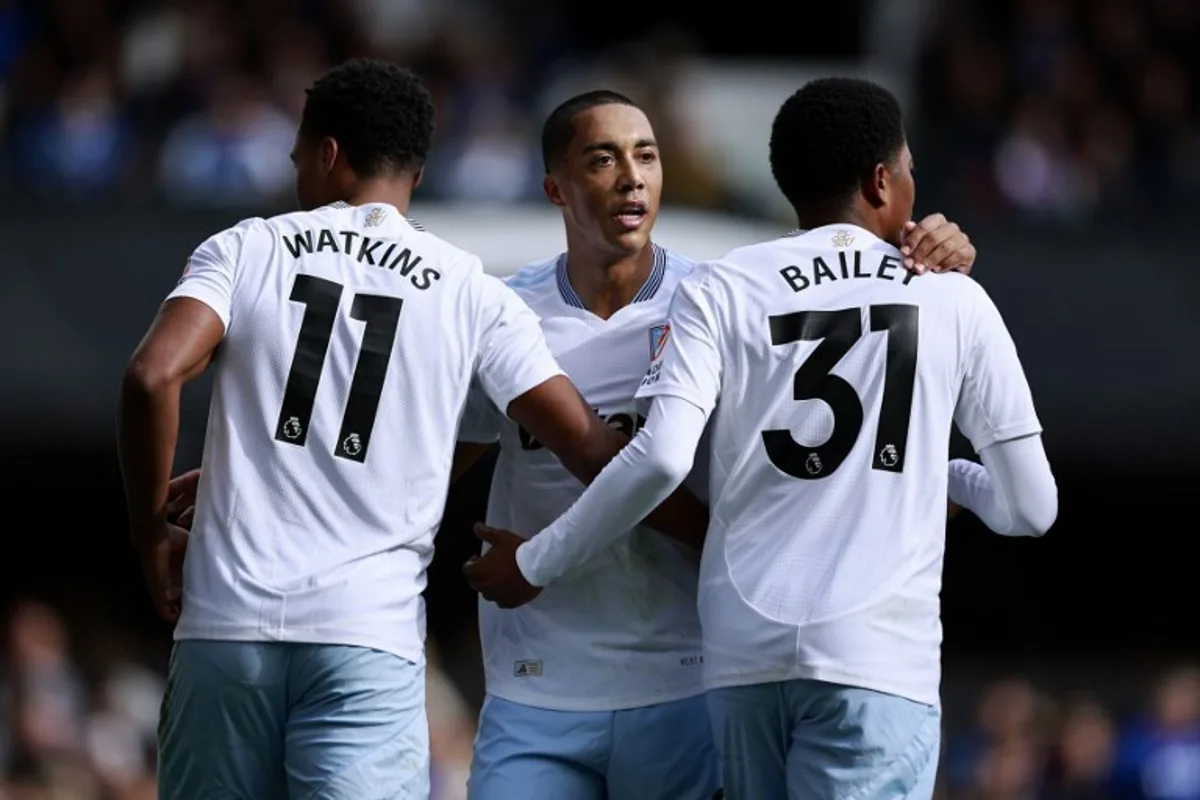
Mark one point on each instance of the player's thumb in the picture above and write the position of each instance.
(487, 534)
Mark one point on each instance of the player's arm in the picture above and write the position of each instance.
(1013, 492)
(177, 348)
(516, 358)
(684, 383)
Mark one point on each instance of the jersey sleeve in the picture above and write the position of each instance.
(211, 270)
(687, 361)
(514, 356)
(994, 403)
(481, 420)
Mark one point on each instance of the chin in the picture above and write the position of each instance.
(631, 242)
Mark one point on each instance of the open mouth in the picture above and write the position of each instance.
(631, 215)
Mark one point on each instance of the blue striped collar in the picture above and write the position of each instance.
(648, 290)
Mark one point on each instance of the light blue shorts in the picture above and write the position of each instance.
(660, 752)
(802, 739)
(266, 720)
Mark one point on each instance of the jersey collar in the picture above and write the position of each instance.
(649, 288)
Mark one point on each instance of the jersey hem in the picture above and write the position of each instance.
(300, 636)
(548, 703)
(825, 674)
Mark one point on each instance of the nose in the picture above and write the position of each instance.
(630, 179)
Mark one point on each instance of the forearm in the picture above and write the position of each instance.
(148, 426)
(625, 492)
(1013, 492)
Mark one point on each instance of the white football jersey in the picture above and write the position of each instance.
(622, 631)
(351, 340)
(835, 377)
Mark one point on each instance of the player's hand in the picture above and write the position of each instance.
(181, 498)
(495, 574)
(936, 244)
(162, 566)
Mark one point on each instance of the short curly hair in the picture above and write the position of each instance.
(828, 137)
(381, 115)
(559, 128)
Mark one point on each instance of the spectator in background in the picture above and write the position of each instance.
(1081, 763)
(232, 151)
(1159, 756)
(79, 144)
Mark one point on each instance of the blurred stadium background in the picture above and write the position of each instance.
(1063, 135)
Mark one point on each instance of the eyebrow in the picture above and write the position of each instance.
(612, 147)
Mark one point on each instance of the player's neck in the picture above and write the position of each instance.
(604, 284)
(810, 219)
(397, 193)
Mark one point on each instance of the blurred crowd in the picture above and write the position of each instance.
(1046, 108)
(196, 101)
(79, 723)
(1063, 108)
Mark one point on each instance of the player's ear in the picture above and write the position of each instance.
(417, 178)
(327, 153)
(876, 187)
(553, 190)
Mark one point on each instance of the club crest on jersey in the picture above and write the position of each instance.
(843, 239)
(658, 339)
(375, 217)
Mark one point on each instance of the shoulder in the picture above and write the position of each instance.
(534, 280)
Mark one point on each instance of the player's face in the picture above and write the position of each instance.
(610, 183)
(902, 193)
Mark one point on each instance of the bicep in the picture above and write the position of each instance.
(180, 343)
(556, 415)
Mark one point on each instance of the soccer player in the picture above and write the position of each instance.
(595, 690)
(344, 340)
(832, 378)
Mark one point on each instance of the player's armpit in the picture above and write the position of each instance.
(557, 416)
(466, 455)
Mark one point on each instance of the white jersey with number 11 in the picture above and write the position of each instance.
(351, 338)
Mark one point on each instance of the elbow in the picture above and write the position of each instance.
(145, 379)
(668, 469)
(1037, 519)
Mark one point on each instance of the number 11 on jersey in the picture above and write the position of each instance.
(321, 299)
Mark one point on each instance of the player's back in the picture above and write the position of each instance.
(351, 339)
(841, 375)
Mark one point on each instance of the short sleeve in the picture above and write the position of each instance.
(687, 360)
(210, 272)
(514, 356)
(994, 403)
(481, 420)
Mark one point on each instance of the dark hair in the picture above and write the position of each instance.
(559, 128)
(380, 114)
(829, 135)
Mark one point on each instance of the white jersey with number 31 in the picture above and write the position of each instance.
(351, 338)
(833, 376)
